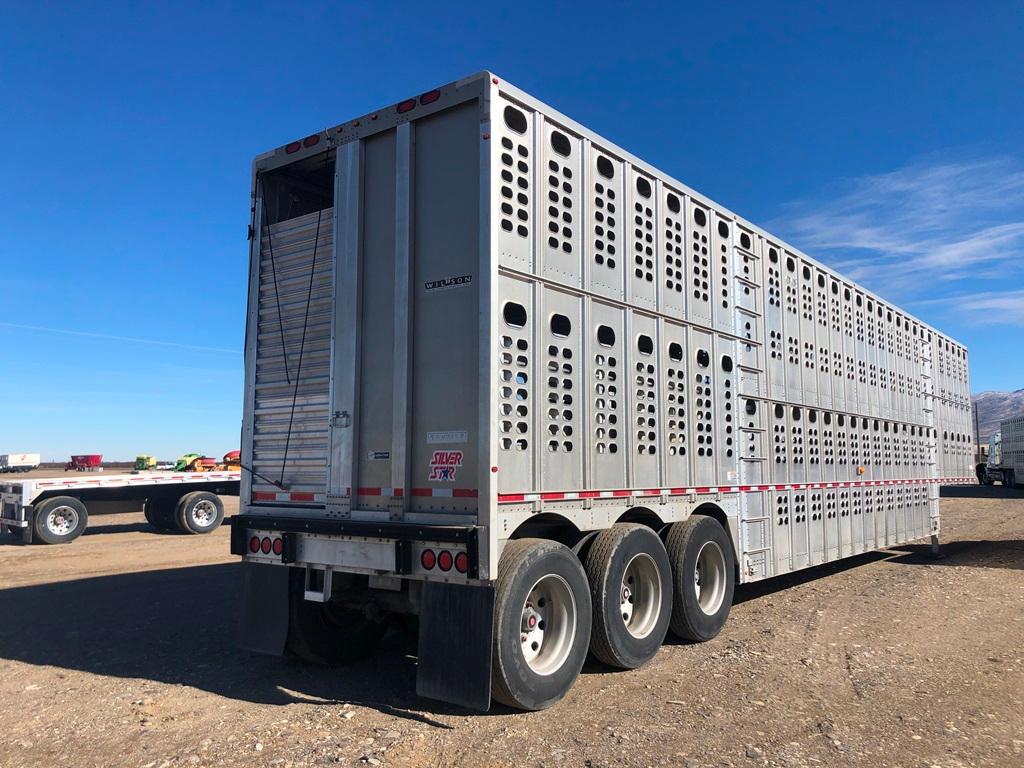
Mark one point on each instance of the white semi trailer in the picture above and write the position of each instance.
(19, 462)
(506, 376)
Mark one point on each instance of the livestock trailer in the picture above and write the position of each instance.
(508, 377)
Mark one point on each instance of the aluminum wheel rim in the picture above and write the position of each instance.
(640, 595)
(709, 578)
(548, 624)
(62, 520)
(204, 513)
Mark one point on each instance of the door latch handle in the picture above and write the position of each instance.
(341, 419)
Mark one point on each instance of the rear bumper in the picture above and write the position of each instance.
(357, 546)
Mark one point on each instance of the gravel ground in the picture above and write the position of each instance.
(118, 650)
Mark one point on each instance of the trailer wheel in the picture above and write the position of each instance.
(159, 512)
(199, 512)
(59, 520)
(631, 591)
(704, 577)
(542, 621)
(326, 633)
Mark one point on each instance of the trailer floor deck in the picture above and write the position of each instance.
(118, 650)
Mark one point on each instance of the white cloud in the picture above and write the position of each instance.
(935, 226)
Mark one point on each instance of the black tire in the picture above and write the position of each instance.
(59, 520)
(686, 541)
(199, 512)
(646, 591)
(160, 511)
(325, 633)
(524, 565)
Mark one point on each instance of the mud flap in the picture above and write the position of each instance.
(263, 609)
(456, 633)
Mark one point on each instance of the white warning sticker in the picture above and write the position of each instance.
(449, 436)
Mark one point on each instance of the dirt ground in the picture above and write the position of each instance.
(118, 651)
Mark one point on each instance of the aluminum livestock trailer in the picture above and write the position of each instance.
(55, 510)
(506, 376)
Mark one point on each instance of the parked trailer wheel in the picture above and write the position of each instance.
(160, 512)
(704, 577)
(59, 520)
(542, 621)
(199, 512)
(326, 633)
(631, 591)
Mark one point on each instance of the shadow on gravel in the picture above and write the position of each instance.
(997, 492)
(1006, 553)
(177, 626)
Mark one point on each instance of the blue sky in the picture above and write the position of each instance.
(882, 138)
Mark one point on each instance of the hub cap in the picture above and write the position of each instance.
(204, 513)
(62, 520)
(640, 595)
(709, 578)
(548, 624)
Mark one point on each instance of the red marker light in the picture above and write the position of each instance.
(278, 546)
(444, 561)
(406, 105)
(265, 546)
(462, 562)
(430, 97)
(254, 544)
(294, 147)
(428, 559)
(311, 141)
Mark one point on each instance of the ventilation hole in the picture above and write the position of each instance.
(745, 240)
(645, 344)
(515, 119)
(751, 407)
(700, 217)
(723, 229)
(643, 186)
(703, 358)
(514, 314)
(560, 325)
(675, 352)
(773, 255)
(779, 411)
(726, 363)
(560, 143)
(605, 167)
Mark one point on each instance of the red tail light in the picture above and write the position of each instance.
(444, 561)
(311, 141)
(278, 546)
(254, 544)
(294, 147)
(428, 559)
(430, 97)
(265, 545)
(462, 562)
(406, 105)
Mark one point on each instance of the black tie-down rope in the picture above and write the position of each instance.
(302, 348)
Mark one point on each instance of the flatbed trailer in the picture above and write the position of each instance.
(508, 377)
(55, 510)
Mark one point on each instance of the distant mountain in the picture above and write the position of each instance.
(993, 407)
